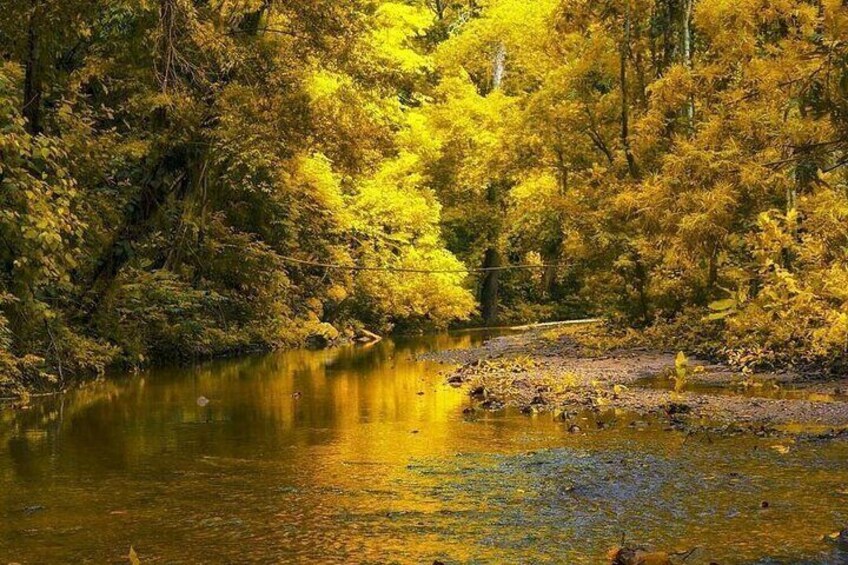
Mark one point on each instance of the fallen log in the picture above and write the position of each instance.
(365, 336)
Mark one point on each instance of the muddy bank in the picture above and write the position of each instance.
(544, 370)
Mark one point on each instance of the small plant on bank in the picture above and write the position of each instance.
(681, 372)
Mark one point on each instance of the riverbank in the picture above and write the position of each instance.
(553, 370)
(19, 387)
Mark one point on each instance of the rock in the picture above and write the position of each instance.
(842, 540)
(839, 539)
(321, 334)
(490, 404)
(574, 429)
(478, 392)
(297, 394)
(638, 556)
(455, 380)
(674, 408)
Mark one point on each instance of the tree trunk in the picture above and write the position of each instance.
(489, 289)
(498, 67)
(687, 57)
(439, 9)
(712, 271)
(33, 87)
(552, 250)
(641, 283)
(492, 258)
(549, 275)
(625, 125)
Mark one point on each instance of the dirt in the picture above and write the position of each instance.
(541, 371)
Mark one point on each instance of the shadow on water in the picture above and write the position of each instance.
(364, 455)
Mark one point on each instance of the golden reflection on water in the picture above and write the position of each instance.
(363, 455)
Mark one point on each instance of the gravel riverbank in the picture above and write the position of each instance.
(544, 370)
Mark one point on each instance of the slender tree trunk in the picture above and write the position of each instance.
(492, 256)
(439, 9)
(625, 118)
(712, 271)
(641, 283)
(33, 87)
(552, 250)
(498, 67)
(489, 289)
(551, 256)
(805, 173)
(669, 46)
(687, 57)
(166, 62)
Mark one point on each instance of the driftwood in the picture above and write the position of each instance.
(365, 336)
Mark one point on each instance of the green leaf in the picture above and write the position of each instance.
(720, 305)
(720, 315)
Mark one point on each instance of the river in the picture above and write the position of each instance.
(365, 455)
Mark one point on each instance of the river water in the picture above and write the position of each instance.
(364, 455)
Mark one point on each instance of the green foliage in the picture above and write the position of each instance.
(133, 557)
(681, 371)
(169, 158)
(10, 374)
(686, 171)
(162, 162)
(799, 315)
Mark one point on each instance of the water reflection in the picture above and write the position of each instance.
(363, 455)
(755, 389)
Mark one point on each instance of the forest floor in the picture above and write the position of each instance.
(553, 370)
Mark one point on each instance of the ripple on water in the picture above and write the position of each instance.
(335, 475)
